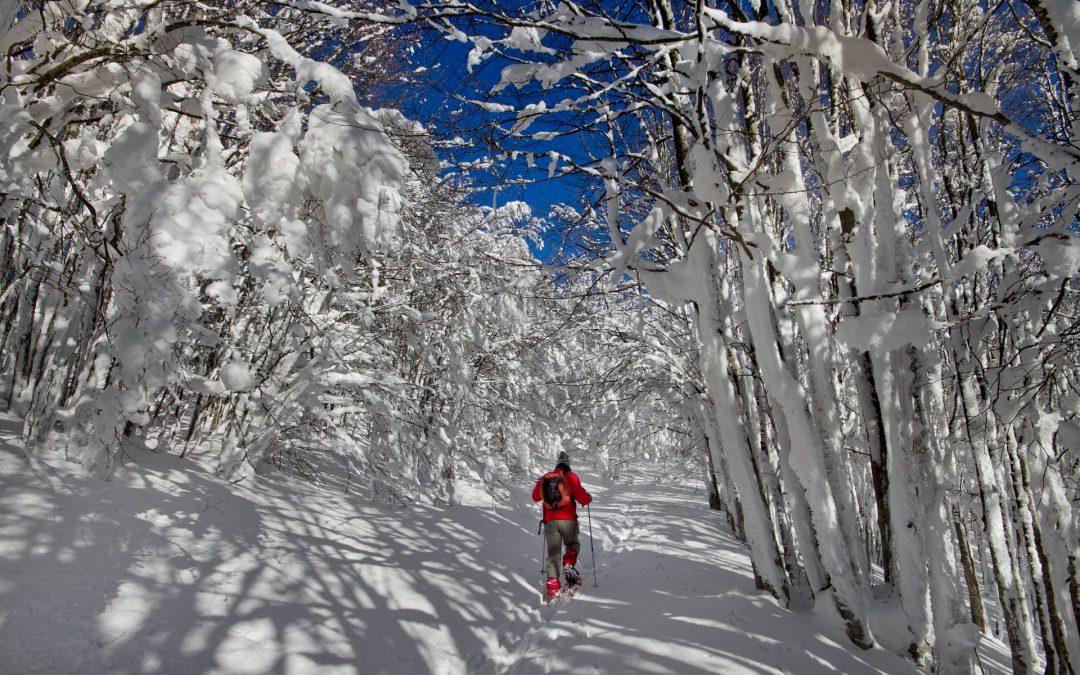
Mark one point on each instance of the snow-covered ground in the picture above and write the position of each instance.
(167, 569)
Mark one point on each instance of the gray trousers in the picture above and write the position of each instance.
(559, 533)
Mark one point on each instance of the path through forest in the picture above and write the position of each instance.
(675, 596)
(167, 569)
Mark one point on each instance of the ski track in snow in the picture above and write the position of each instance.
(167, 569)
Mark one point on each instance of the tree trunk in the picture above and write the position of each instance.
(971, 577)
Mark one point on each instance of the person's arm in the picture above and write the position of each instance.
(580, 494)
(538, 492)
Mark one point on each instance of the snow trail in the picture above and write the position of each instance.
(168, 569)
(675, 595)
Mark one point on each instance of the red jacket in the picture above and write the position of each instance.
(577, 493)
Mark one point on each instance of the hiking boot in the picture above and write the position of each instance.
(553, 586)
(572, 577)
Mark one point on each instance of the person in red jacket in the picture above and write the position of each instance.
(561, 524)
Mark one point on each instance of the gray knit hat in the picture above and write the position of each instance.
(564, 458)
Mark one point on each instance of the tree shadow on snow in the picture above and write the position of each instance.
(676, 595)
(168, 570)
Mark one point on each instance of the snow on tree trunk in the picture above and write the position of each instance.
(807, 458)
(1058, 542)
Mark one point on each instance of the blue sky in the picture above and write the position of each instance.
(446, 82)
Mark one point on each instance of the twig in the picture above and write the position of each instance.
(863, 298)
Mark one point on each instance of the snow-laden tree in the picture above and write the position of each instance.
(181, 185)
(871, 208)
(211, 244)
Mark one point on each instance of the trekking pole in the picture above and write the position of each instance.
(543, 546)
(592, 550)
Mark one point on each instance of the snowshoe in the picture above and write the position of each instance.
(572, 577)
(562, 595)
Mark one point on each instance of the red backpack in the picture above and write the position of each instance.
(555, 494)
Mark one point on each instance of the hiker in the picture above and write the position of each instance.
(561, 492)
